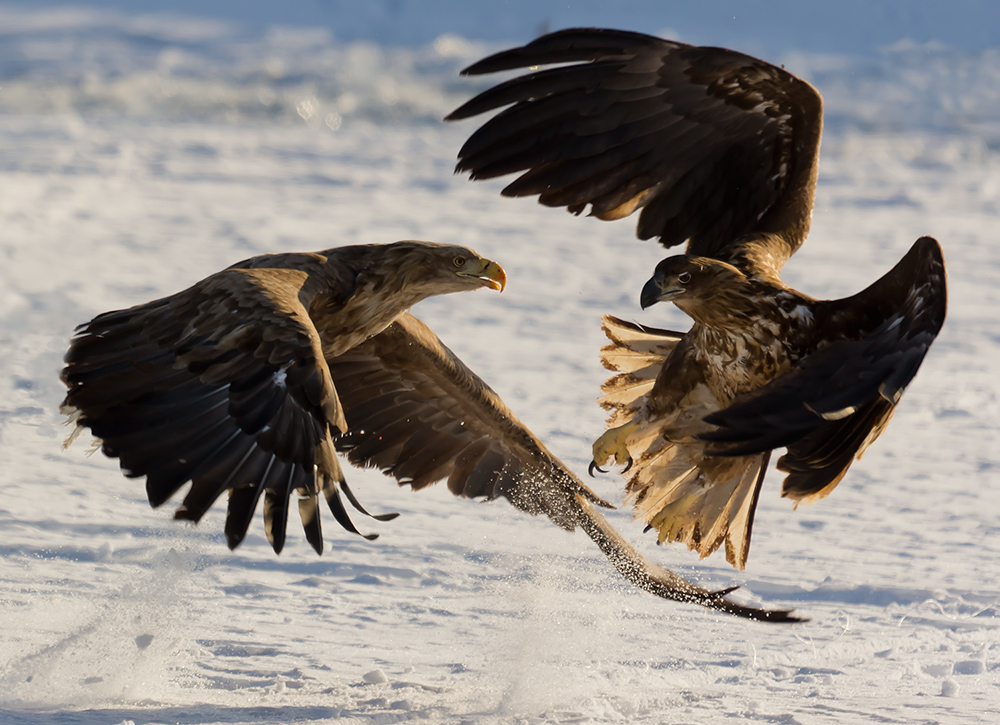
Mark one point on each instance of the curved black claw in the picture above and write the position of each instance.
(593, 466)
(628, 465)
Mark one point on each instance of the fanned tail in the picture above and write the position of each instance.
(696, 499)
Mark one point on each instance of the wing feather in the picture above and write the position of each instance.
(224, 385)
(426, 394)
(836, 401)
(710, 143)
(636, 353)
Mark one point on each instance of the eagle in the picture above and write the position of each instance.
(253, 380)
(719, 151)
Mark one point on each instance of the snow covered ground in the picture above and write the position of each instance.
(137, 157)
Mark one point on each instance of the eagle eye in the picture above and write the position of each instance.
(459, 261)
(684, 277)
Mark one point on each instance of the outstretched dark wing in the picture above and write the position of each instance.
(829, 408)
(710, 143)
(224, 385)
(416, 412)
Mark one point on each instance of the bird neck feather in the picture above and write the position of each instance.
(724, 298)
(388, 280)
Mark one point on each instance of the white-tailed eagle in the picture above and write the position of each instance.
(718, 150)
(251, 381)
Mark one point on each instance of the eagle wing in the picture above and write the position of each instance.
(676, 485)
(836, 401)
(224, 385)
(418, 414)
(710, 143)
(636, 353)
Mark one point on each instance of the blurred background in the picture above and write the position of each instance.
(882, 64)
(759, 26)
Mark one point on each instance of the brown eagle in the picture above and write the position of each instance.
(250, 381)
(718, 150)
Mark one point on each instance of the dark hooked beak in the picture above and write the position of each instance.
(657, 289)
(651, 292)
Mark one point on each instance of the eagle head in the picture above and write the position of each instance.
(471, 270)
(426, 268)
(691, 283)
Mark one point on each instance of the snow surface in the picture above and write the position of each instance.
(139, 155)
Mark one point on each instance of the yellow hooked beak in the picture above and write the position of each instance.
(492, 275)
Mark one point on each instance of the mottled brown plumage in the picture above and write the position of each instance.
(771, 368)
(720, 151)
(249, 381)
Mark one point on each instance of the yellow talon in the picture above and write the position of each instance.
(671, 520)
(612, 447)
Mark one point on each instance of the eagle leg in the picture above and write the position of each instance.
(613, 446)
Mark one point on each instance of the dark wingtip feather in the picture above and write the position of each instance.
(185, 514)
(562, 46)
(717, 600)
(333, 499)
(239, 513)
(309, 513)
(234, 539)
(275, 520)
(357, 504)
